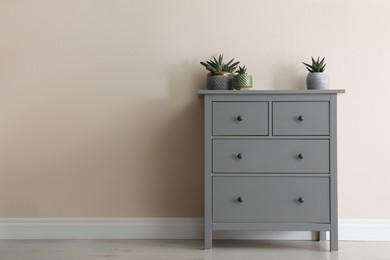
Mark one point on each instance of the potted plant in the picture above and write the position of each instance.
(242, 80)
(221, 74)
(317, 78)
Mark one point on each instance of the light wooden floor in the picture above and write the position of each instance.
(187, 250)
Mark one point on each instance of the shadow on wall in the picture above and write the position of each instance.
(174, 174)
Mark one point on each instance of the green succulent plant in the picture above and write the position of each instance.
(218, 65)
(241, 70)
(316, 66)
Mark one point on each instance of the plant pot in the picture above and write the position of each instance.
(317, 80)
(220, 81)
(242, 81)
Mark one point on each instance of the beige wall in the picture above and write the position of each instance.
(99, 115)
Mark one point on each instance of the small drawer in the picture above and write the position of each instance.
(240, 118)
(271, 156)
(271, 199)
(300, 118)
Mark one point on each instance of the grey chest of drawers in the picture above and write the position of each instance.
(270, 161)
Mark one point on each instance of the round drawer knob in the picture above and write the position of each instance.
(240, 118)
(240, 200)
(301, 118)
(301, 156)
(301, 200)
(240, 156)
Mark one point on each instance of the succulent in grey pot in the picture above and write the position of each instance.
(242, 80)
(317, 78)
(221, 74)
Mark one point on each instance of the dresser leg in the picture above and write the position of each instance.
(334, 241)
(208, 243)
(321, 235)
(208, 235)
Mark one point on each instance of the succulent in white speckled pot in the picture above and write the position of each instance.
(317, 78)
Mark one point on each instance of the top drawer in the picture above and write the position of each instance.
(240, 118)
(300, 118)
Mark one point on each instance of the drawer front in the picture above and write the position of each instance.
(271, 156)
(240, 118)
(271, 199)
(300, 118)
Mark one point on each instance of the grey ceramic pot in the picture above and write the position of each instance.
(317, 80)
(220, 81)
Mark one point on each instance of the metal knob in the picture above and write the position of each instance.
(240, 156)
(301, 156)
(240, 118)
(240, 200)
(301, 200)
(301, 118)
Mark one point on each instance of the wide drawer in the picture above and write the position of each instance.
(271, 156)
(300, 118)
(271, 199)
(240, 118)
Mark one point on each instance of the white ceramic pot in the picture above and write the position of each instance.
(317, 80)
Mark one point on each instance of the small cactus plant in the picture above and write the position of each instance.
(316, 66)
(241, 70)
(242, 80)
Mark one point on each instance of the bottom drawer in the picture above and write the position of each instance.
(271, 199)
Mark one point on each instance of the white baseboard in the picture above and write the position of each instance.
(364, 229)
(101, 228)
(169, 228)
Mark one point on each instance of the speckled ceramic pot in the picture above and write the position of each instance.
(317, 80)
